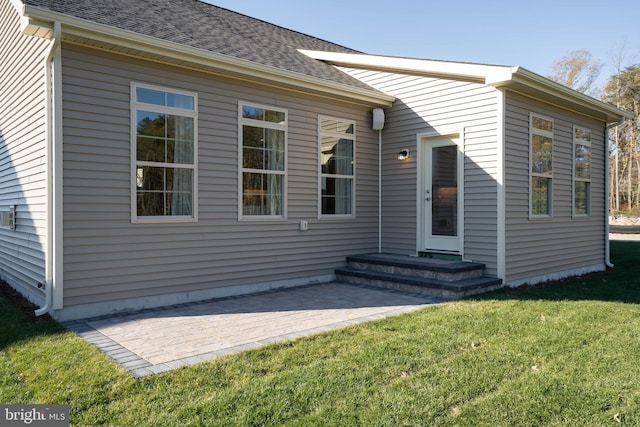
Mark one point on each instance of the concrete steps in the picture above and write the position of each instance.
(433, 277)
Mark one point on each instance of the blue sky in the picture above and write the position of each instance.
(531, 34)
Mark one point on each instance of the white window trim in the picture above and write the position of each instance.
(321, 175)
(258, 123)
(575, 178)
(133, 156)
(540, 132)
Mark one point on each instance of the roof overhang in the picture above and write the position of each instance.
(537, 86)
(39, 22)
(516, 79)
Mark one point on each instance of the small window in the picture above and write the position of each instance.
(581, 171)
(263, 163)
(337, 166)
(541, 165)
(164, 154)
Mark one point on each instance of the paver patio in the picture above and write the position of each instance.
(161, 339)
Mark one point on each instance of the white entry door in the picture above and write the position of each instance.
(441, 196)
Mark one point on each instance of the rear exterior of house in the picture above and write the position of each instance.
(111, 258)
(151, 168)
(532, 195)
(437, 110)
(262, 184)
(569, 238)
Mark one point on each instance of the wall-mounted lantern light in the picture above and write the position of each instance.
(403, 154)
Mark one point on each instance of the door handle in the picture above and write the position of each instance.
(428, 199)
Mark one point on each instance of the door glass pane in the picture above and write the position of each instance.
(444, 209)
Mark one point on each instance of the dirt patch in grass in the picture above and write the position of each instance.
(24, 305)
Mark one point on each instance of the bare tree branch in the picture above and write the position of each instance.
(577, 70)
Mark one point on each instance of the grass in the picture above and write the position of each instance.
(560, 355)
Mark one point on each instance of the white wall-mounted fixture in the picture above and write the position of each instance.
(378, 119)
(304, 225)
(8, 218)
(403, 154)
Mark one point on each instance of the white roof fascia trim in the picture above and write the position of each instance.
(496, 77)
(531, 79)
(392, 63)
(493, 75)
(132, 40)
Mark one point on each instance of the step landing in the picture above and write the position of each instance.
(434, 277)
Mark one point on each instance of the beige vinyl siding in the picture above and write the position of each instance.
(22, 152)
(425, 104)
(539, 247)
(107, 258)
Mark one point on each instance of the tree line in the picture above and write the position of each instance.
(579, 70)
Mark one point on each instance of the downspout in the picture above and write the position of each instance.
(378, 124)
(379, 191)
(501, 198)
(50, 140)
(607, 247)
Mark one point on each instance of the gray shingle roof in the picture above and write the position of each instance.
(204, 26)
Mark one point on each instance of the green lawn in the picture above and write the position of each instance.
(567, 354)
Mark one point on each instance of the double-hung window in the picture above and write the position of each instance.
(263, 163)
(164, 154)
(581, 171)
(337, 166)
(541, 165)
